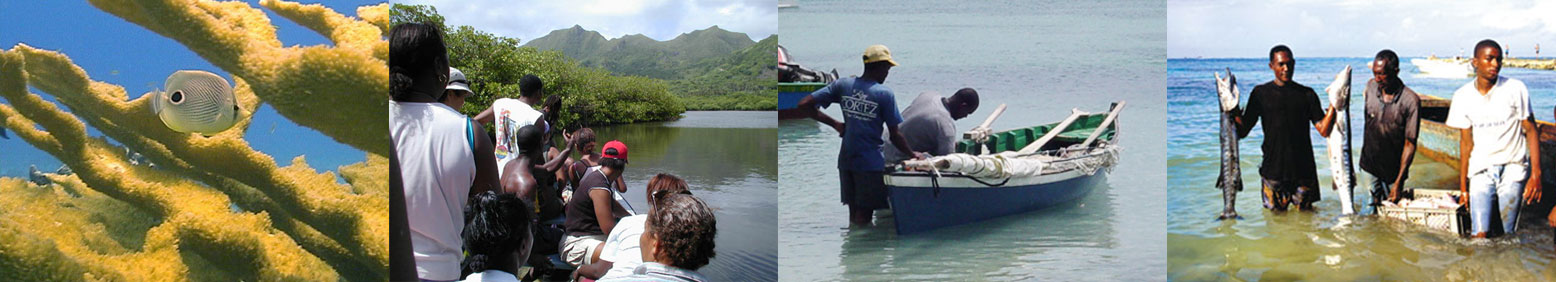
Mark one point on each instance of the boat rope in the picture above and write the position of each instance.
(935, 181)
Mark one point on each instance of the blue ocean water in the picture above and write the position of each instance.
(115, 51)
(1323, 245)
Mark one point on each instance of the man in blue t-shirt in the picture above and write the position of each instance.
(867, 106)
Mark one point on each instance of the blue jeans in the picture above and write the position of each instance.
(1506, 182)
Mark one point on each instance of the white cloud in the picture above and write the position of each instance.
(658, 19)
(1354, 28)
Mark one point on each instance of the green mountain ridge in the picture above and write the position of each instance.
(707, 69)
(590, 96)
(640, 55)
(743, 80)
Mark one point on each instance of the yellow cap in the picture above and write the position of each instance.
(876, 53)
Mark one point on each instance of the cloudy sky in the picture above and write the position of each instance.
(1357, 28)
(658, 19)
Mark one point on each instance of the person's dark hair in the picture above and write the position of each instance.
(553, 103)
(496, 225)
(613, 163)
(552, 108)
(582, 137)
(530, 85)
(415, 49)
(1280, 48)
(1487, 43)
(449, 94)
(663, 185)
(1390, 60)
(529, 138)
(684, 227)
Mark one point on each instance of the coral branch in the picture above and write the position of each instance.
(300, 82)
(347, 34)
(196, 213)
(226, 162)
(294, 222)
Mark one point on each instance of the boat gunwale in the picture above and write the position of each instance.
(1105, 146)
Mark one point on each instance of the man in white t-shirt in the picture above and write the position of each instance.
(1499, 142)
(508, 115)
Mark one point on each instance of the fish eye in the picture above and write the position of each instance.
(177, 97)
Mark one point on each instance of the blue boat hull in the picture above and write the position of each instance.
(918, 209)
(790, 93)
(788, 100)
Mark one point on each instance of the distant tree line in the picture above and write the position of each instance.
(590, 96)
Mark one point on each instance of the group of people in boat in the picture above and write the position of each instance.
(870, 119)
(1499, 145)
(480, 206)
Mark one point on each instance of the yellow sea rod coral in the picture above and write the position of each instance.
(349, 80)
(175, 221)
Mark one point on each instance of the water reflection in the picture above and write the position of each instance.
(730, 160)
(1018, 247)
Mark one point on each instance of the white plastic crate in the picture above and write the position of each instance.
(1451, 220)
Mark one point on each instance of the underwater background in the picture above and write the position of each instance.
(295, 191)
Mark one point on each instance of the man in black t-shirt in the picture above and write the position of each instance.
(1286, 108)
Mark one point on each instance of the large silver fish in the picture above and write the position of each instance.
(1339, 142)
(1231, 179)
(196, 101)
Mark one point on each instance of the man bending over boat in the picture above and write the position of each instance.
(1290, 178)
(1389, 136)
(867, 105)
(929, 123)
(1498, 142)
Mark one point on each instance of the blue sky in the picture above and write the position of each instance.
(657, 19)
(1356, 28)
(118, 52)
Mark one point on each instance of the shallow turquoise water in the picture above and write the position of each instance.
(1042, 58)
(1323, 245)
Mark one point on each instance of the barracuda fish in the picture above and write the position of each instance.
(1231, 179)
(196, 101)
(1339, 142)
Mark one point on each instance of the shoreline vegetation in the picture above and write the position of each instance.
(594, 95)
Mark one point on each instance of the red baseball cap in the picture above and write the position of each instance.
(615, 150)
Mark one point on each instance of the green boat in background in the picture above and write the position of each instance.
(790, 93)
